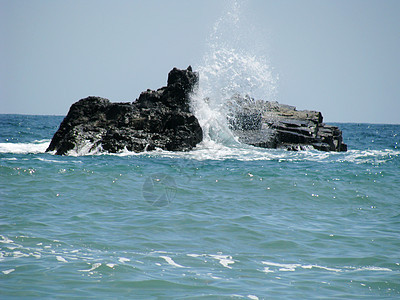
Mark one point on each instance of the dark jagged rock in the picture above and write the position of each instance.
(157, 119)
(273, 125)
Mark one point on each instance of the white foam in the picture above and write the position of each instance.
(210, 149)
(111, 265)
(267, 270)
(5, 240)
(213, 277)
(123, 259)
(224, 260)
(12, 247)
(94, 266)
(171, 262)
(6, 272)
(24, 148)
(18, 254)
(220, 145)
(321, 267)
(282, 267)
(370, 156)
(372, 268)
(194, 255)
(61, 259)
(293, 267)
(88, 148)
(51, 160)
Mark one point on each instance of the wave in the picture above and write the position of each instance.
(25, 148)
(56, 251)
(212, 150)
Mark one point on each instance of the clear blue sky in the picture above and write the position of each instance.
(339, 57)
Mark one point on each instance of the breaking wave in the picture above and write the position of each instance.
(25, 148)
(230, 67)
(212, 150)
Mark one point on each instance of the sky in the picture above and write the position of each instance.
(338, 57)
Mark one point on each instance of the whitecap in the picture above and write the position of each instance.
(12, 247)
(5, 240)
(372, 268)
(224, 260)
(123, 259)
(18, 254)
(212, 276)
(94, 266)
(292, 267)
(321, 267)
(193, 255)
(267, 270)
(282, 267)
(61, 259)
(24, 148)
(171, 262)
(6, 272)
(50, 160)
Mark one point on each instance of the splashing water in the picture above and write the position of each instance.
(230, 67)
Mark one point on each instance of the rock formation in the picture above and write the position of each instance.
(273, 125)
(162, 119)
(157, 119)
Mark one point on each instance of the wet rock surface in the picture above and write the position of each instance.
(157, 119)
(273, 125)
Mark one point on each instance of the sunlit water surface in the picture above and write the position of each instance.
(217, 222)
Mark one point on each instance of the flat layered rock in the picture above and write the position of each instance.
(274, 125)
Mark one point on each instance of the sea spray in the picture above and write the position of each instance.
(230, 67)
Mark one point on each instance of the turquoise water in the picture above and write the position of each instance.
(219, 222)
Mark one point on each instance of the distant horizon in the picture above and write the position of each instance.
(333, 122)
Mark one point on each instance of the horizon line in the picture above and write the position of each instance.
(338, 122)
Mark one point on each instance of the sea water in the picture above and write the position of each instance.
(223, 221)
(234, 222)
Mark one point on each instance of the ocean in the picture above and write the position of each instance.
(223, 221)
